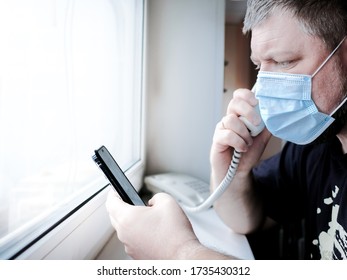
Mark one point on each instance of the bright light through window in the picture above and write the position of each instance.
(70, 81)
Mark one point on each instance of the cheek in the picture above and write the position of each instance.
(320, 96)
(327, 87)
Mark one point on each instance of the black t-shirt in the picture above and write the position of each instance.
(309, 182)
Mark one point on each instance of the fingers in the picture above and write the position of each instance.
(119, 211)
(243, 104)
(232, 131)
(113, 202)
(113, 205)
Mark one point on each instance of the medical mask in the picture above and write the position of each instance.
(287, 108)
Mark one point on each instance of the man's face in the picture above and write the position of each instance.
(279, 44)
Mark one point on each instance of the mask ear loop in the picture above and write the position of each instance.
(338, 107)
(326, 60)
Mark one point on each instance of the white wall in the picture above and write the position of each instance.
(185, 65)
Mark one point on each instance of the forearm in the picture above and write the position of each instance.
(196, 251)
(239, 207)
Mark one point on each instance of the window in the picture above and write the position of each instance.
(70, 81)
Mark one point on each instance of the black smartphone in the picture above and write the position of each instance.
(116, 176)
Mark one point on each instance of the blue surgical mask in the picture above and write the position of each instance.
(287, 108)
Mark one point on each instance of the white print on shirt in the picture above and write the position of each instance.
(335, 239)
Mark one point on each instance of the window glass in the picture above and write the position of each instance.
(70, 81)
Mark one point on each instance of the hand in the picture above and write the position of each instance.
(231, 133)
(158, 231)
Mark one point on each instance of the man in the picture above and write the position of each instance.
(300, 50)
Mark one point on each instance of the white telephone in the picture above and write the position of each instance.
(185, 188)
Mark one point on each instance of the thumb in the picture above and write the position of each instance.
(159, 197)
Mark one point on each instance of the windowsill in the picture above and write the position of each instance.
(84, 233)
(113, 250)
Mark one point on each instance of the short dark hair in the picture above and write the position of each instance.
(326, 19)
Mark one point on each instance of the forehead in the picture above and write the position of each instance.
(281, 34)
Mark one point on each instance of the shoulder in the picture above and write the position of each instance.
(293, 161)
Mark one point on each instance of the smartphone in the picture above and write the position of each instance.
(116, 176)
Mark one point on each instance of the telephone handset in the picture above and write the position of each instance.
(254, 130)
(194, 200)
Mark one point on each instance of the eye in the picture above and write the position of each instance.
(285, 64)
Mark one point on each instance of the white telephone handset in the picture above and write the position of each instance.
(193, 200)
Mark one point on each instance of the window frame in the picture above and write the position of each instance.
(86, 226)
